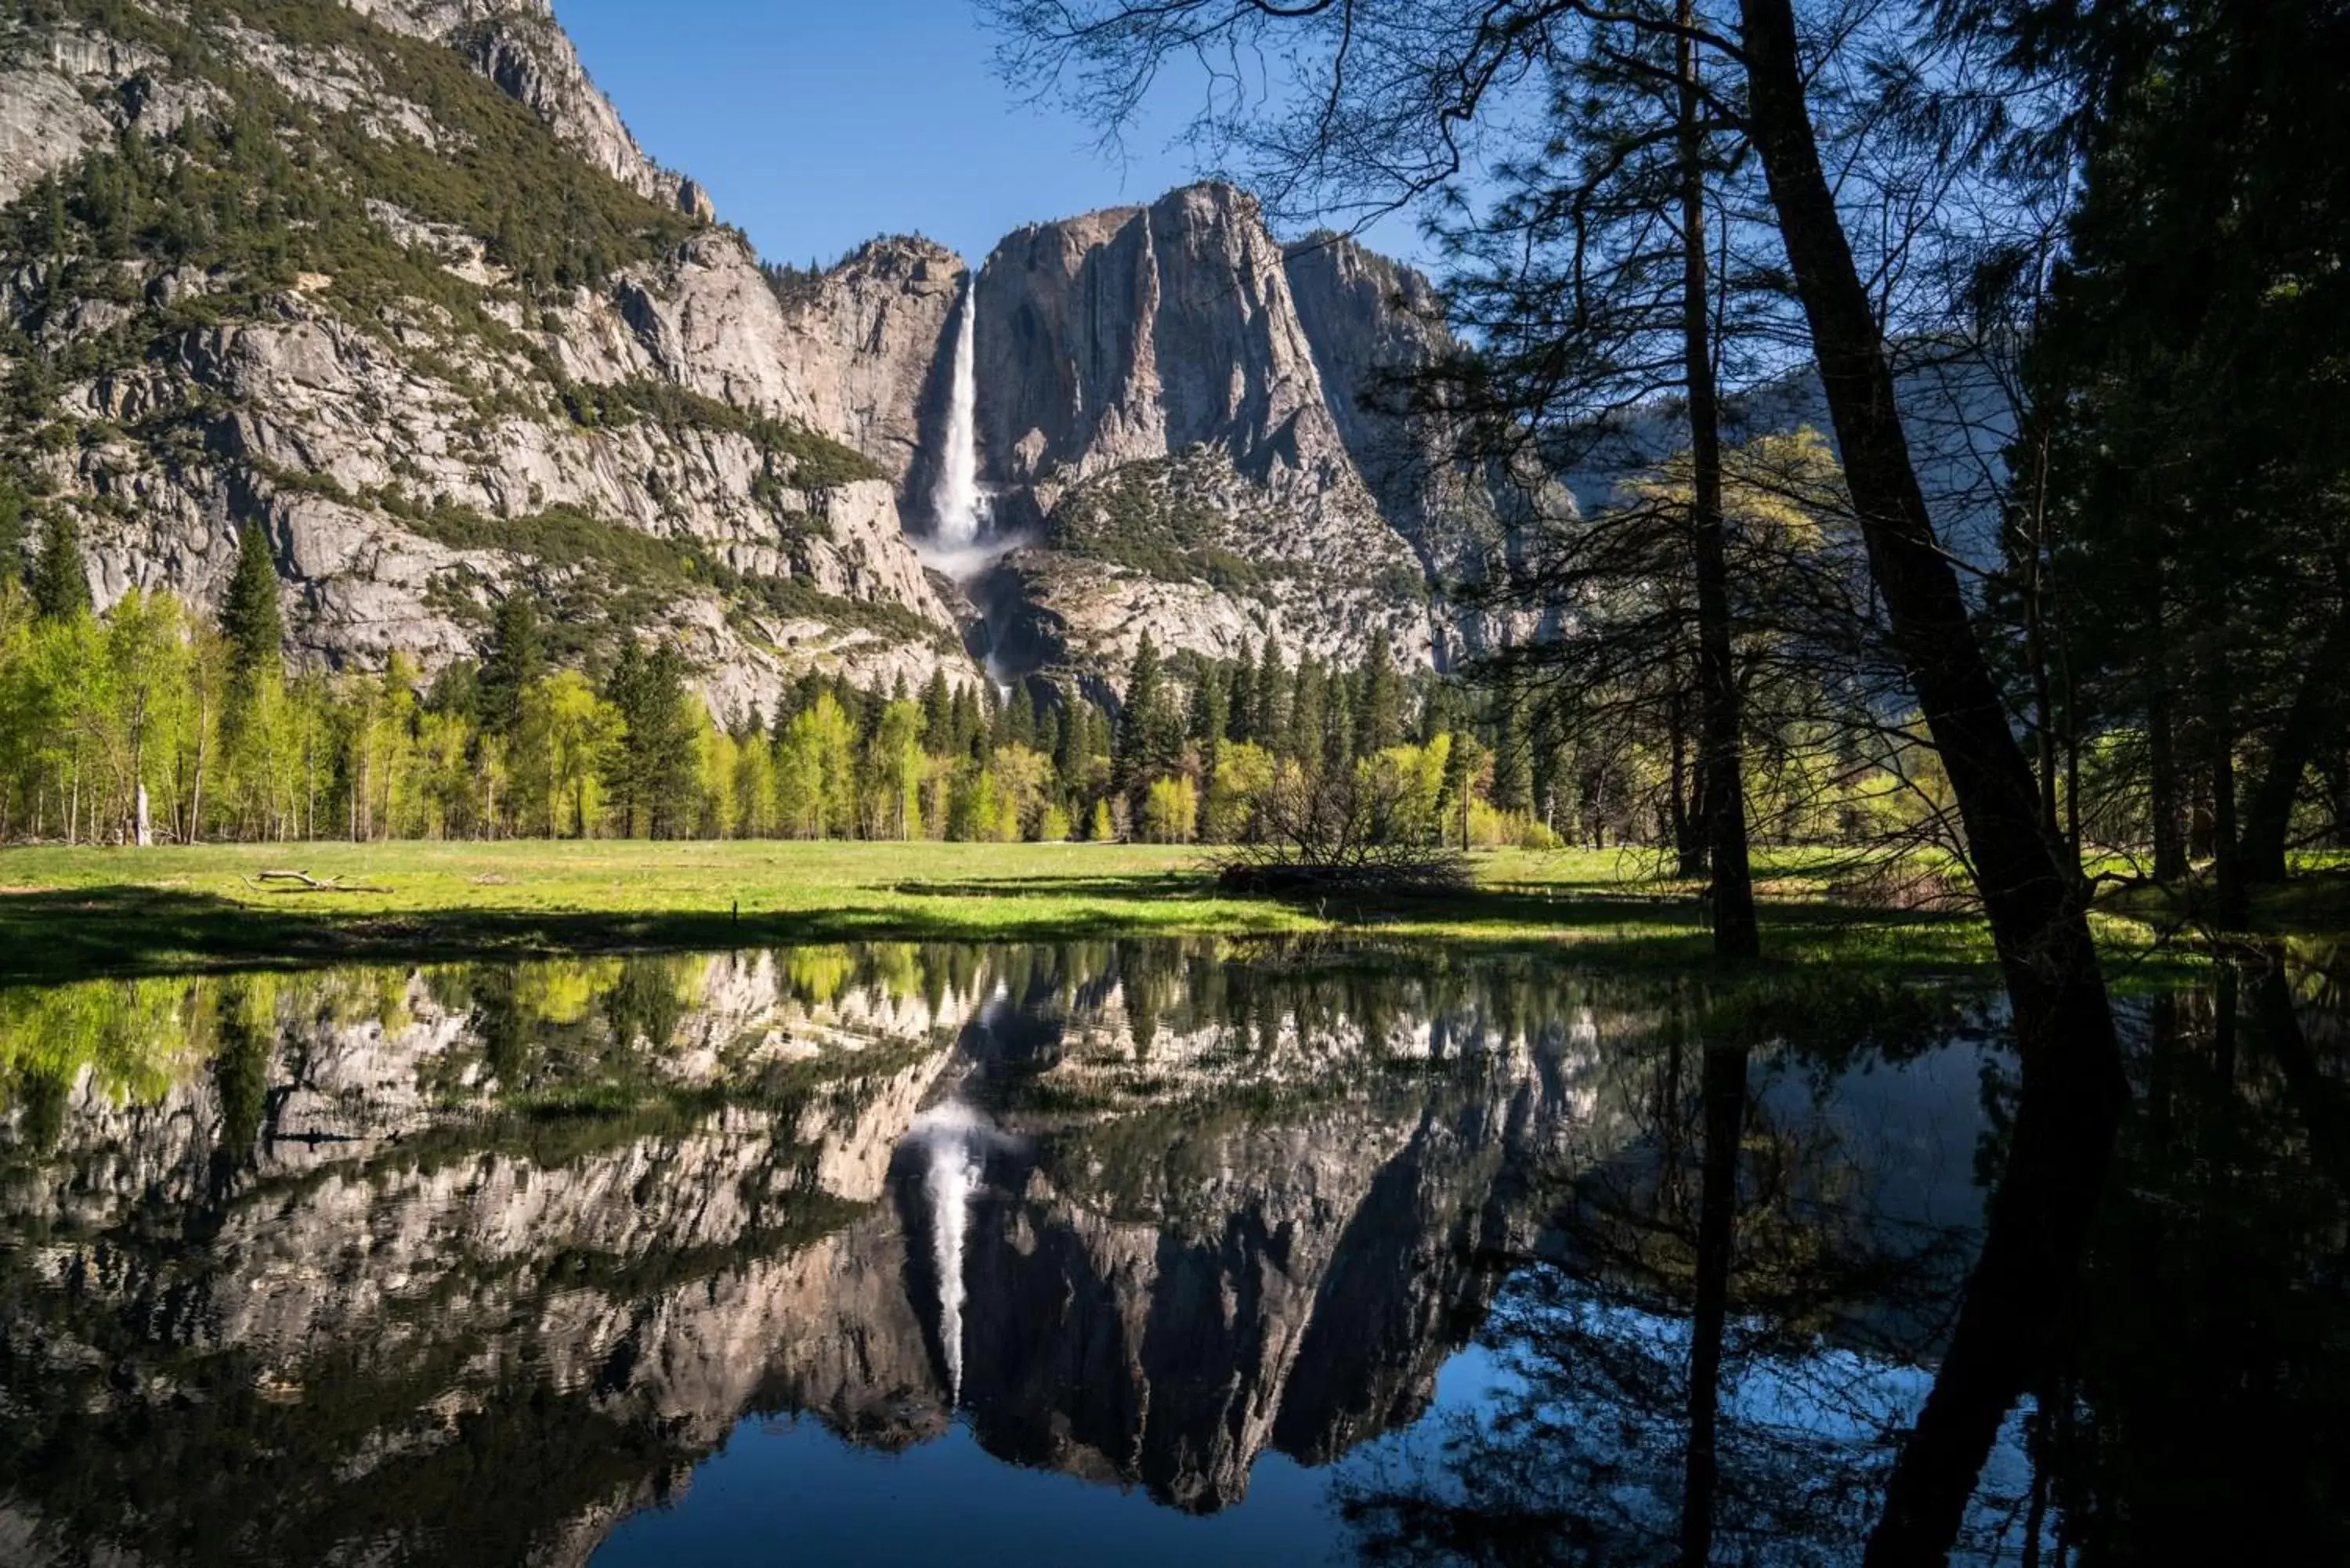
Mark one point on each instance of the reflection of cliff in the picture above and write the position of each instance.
(461, 1268)
(1284, 1221)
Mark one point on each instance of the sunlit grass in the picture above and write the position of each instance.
(66, 911)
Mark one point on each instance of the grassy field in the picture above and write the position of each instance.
(69, 912)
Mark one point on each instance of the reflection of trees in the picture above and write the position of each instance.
(1373, 1138)
(367, 1154)
(2202, 1408)
(1711, 1358)
(129, 1035)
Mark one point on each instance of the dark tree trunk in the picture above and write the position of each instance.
(2034, 904)
(1735, 932)
(2268, 812)
(2166, 797)
(1685, 790)
(2200, 837)
(1724, 1094)
(2235, 898)
(2319, 1099)
(2336, 772)
(2232, 898)
(2014, 1315)
(2162, 782)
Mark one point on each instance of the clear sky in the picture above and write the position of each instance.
(816, 124)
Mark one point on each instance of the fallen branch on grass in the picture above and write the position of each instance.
(313, 885)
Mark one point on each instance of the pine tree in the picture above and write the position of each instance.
(1378, 709)
(1020, 728)
(60, 580)
(1209, 717)
(1239, 703)
(938, 715)
(1513, 780)
(1460, 775)
(999, 719)
(1137, 718)
(1308, 711)
(1439, 710)
(1073, 758)
(1049, 727)
(650, 770)
(962, 724)
(1267, 722)
(1338, 735)
(12, 532)
(516, 659)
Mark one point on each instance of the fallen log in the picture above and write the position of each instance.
(310, 884)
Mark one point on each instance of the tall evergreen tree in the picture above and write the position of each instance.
(60, 577)
(1339, 734)
(962, 724)
(12, 531)
(1210, 715)
(938, 715)
(1072, 759)
(516, 659)
(1050, 723)
(1020, 720)
(1268, 724)
(1513, 788)
(1138, 715)
(1308, 713)
(1378, 711)
(651, 769)
(1239, 700)
(251, 619)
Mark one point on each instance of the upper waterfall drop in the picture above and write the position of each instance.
(957, 503)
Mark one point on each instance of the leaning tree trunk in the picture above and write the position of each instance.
(2035, 904)
(2267, 817)
(1721, 766)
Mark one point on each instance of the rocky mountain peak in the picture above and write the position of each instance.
(1137, 332)
(1170, 407)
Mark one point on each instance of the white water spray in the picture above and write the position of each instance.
(957, 503)
(949, 1182)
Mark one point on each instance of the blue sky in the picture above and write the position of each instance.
(816, 124)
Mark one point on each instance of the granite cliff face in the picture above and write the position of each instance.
(505, 343)
(509, 341)
(863, 343)
(1181, 440)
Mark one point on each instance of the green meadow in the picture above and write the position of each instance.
(70, 912)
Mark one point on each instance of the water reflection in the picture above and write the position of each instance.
(491, 1263)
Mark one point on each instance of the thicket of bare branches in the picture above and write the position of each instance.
(1356, 830)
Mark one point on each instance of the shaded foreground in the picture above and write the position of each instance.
(66, 913)
(1246, 1251)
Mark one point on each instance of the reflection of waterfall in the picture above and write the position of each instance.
(958, 508)
(949, 1181)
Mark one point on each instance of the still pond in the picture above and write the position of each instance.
(1151, 1251)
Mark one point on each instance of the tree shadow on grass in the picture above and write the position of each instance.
(48, 935)
(1154, 885)
(72, 934)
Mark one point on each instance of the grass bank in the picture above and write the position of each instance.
(73, 912)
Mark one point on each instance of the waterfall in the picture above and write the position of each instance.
(949, 1182)
(956, 503)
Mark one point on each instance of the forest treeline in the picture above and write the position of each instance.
(159, 722)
